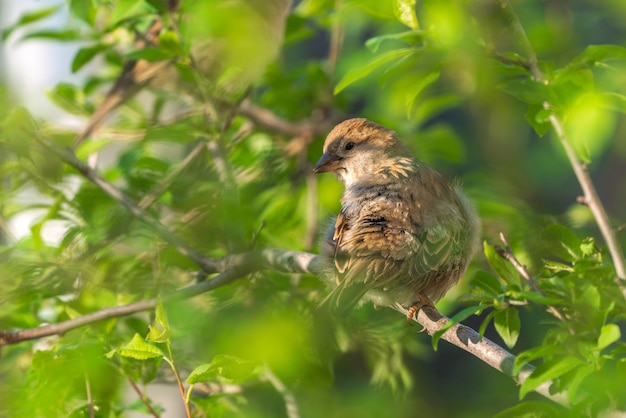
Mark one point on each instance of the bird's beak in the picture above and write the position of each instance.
(327, 163)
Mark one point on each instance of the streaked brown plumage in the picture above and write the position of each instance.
(404, 235)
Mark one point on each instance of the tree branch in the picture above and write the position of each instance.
(508, 255)
(240, 265)
(591, 198)
(207, 264)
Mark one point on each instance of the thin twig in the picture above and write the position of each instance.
(181, 387)
(143, 398)
(89, 395)
(90, 174)
(590, 194)
(291, 405)
(508, 255)
(233, 267)
(160, 188)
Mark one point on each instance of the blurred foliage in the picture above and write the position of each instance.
(452, 79)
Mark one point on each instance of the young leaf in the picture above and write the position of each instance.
(126, 9)
(31, 17)
(525, 90)
(68, 98)
(529, 355)
(417, 88)
(594, 53)
(138, 349)
(225, 366)
(359, 73)
(502, 267)
(537, 117)
(411, 37)
(404, 10)
(549, 370)
(562, 242)
(530, 409)
(84, 55)
(608, 335)
(455, 320)
(84, 10)
(508, 325)
(159, 333)
(486, 282)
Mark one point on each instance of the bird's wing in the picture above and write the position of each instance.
(364, 255)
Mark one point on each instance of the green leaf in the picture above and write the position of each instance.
(508, 325)
(126, 9)
(502, 267)
(458, 317)
(416, 89)
(588, 126)
(615, 102)
(548, 371)
(487, 283)
(228, 367)
(30, 17)
(537, 117)
(608, 335)
(579, 376)
(595, 53)
(150, 54)
(530, 410)
(138, 349)
(561, 242)
(404, 10)
(159, 333)
(169, 42)
(534, 353)
(84, 10)
(84, 55)
(411, 37)
(65, 35)
(359, 73)
(69, 98)
(526, 90)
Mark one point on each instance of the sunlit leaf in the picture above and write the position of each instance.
(508, 325)
(126, 9)
(138, 349)
(548, 371)
(359, 73)
(225, 366)
(160, 332)
(589, 126)
(64, 35)
(502, 267)
(30, 17)
(85, 55)
(411, 37)
(608, 335)
(417, 88)
(404, 10)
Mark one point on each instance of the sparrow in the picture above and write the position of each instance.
(405, 235)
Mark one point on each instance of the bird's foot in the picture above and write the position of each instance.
(414, 309)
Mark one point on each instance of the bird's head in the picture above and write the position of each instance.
(359, 147)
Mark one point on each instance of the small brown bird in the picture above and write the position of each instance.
(404, 235)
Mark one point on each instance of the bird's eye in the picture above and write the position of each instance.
(349, 146)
